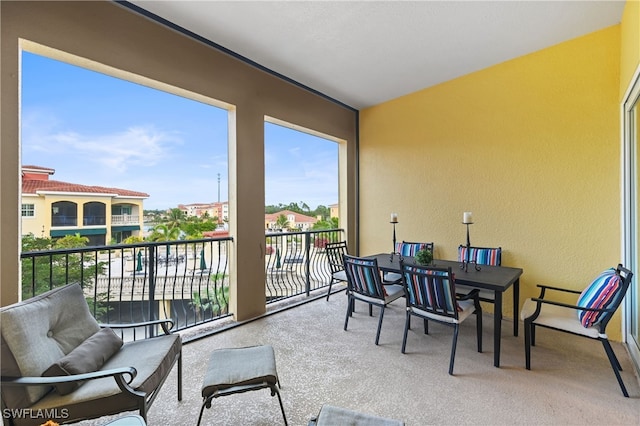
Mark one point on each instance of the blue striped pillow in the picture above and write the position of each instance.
(599, 295)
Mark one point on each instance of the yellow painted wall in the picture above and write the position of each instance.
(630, 44)
(38, 225)
(530, 146)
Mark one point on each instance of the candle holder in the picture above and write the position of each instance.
(393, 222)
(467, 253)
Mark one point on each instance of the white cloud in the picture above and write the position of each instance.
(134, 147)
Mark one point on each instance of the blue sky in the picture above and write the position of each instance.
(94, 129)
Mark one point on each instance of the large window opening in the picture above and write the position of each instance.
(119, 146)
(301, 178)
(118, 159)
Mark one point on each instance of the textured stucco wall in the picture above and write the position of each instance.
(530, 146)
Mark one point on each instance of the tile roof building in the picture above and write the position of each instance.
(295, 221)
(52, 208)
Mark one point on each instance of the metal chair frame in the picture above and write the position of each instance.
(364, 283)
(530, 324)
(335, 252)
(426, 290)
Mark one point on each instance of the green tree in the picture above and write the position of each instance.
(282, 222)
(322, 224)
(133, 239)
(175, 218)
(322, 211)
(336, 222)
(71, 241)
(42, 273)
(214, 301)
(198, 227)
(163, 232)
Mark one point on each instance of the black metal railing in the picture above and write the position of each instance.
(186, 280)
(296, 262)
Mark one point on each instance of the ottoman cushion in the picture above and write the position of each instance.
(239, 367)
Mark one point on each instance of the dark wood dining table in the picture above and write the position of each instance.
(494, 278)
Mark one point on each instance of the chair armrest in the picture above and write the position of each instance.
(544, 288)
(117, 373)
(567, 305)
(166, 324)
(566, 290)
(473, 294)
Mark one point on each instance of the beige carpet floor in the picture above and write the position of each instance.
(571, 381)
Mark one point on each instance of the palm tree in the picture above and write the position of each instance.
(163, 232)
(175, 218)
(282, 222)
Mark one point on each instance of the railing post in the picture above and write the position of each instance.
(152, 286)
(307, 255)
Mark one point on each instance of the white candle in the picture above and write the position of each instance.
(467, 218)
(394, 217)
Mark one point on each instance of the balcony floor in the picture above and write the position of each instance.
(571, 381)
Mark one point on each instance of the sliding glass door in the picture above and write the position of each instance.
(631, 194)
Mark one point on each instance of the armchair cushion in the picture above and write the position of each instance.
(39, 331)
(599, 295)
(89, 356)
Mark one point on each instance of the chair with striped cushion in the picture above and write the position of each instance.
(431, 295)
(335, 251)
(480, 256)
(588, 317)
(364, 283)
(406, 249)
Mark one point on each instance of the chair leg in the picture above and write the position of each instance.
(407, 323)
(370, 310)
(479, 330)
(206, 403)
(533, 334)
(453, 348)
(615, 364)
(349, 307)
(379, 323)
(615, 358)
(426, 326)
(180, 376)
(527, 343)
(329, 291)
(275, 391)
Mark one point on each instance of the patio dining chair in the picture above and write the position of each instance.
(587, 317)
(406, 249)
(480, 256)
(334, 252)
(431, 295)
(364, 283)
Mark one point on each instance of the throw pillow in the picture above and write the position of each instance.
(89, 356)
(598, 295)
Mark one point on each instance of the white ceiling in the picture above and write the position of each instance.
(362, 53)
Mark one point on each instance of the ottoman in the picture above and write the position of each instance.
(237, 370)
(332, 416)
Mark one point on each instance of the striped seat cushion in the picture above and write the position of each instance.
(410, 249)
(481, 255)
(435, 294)
(599, 295)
